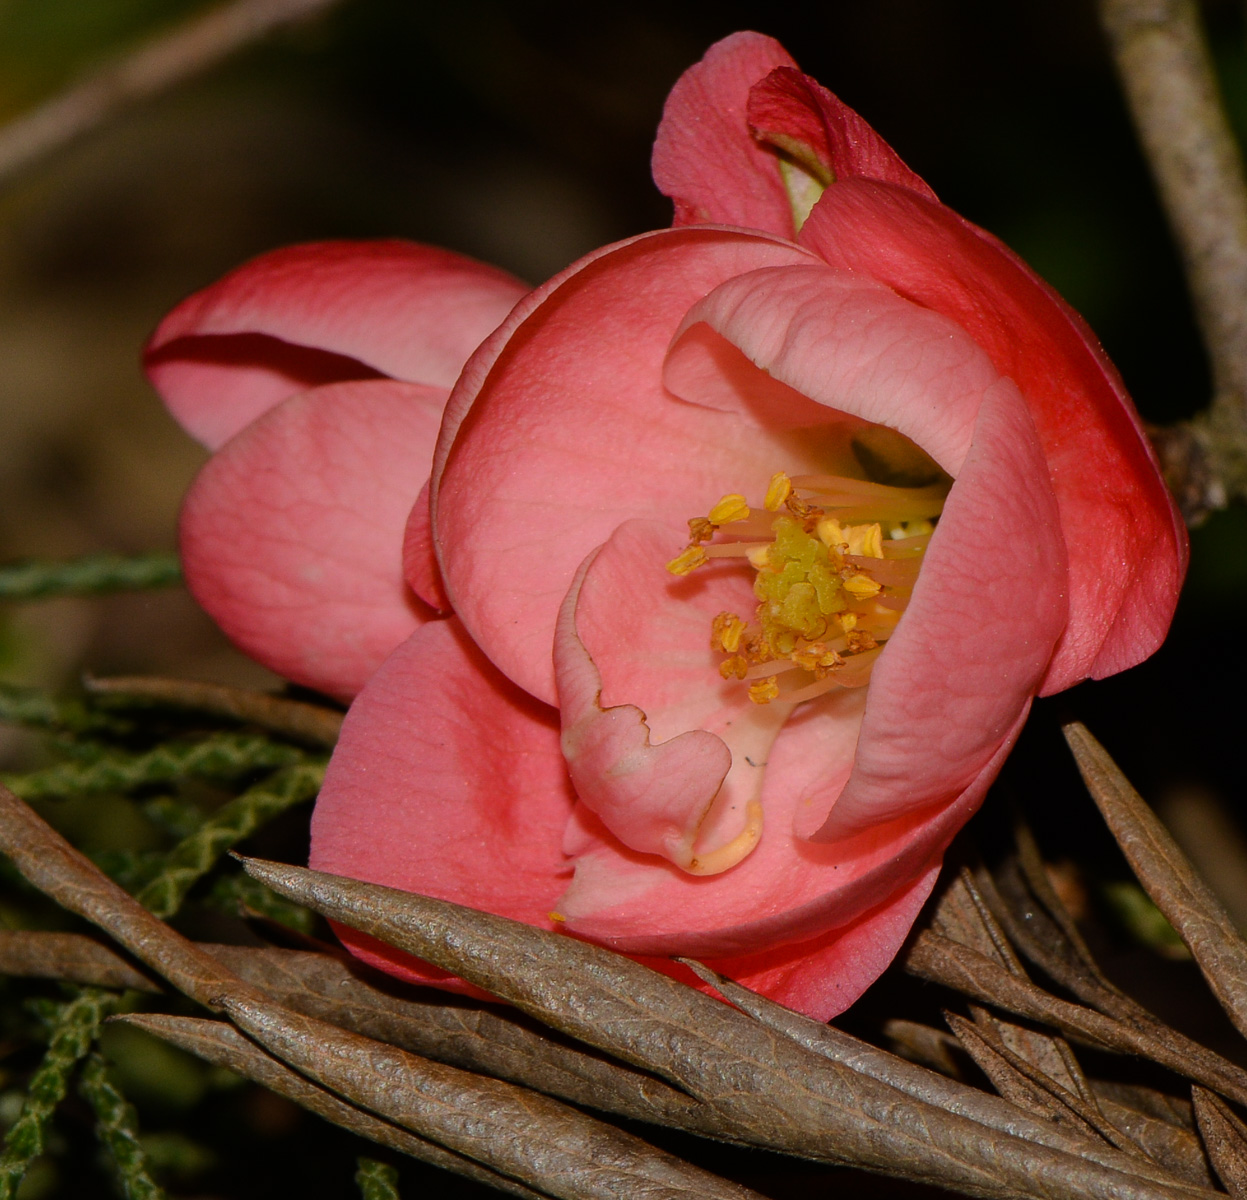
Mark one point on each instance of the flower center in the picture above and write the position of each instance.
(835, 567)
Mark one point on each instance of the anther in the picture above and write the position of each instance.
(726, 632)
(700, 529)
(861, 587)
(777, 492)
(763, 691)
(731, 508)
(688, 561)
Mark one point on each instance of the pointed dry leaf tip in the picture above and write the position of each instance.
(1225, 1138)
(562, 1152)
(73, 957)
(1167, 875)
(463, 1035)
(221, 1044)
(939, 960)
(53, 866)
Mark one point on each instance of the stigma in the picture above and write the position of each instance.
(834, 561)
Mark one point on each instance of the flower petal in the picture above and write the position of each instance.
(1127, 545)
(321, 313)
(705, 157)
(788, 892)
(291, 534)
(823, 977)
(800, 117)
(529, 477)
(447, 780)
(847, 343)
(420, 567)
(978, 634)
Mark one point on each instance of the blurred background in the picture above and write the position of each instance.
(520, 133)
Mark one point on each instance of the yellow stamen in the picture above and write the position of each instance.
(700, 529)
(731, 508)
(688, 561)
(861, 587)
(734, 668)
(726, 632)
(779, 489)
(556, 917)
(759, 556)
(763, 691)
(848, 620)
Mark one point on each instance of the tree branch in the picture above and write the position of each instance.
(1166, 72)
(153, 67)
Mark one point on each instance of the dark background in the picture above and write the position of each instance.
(520, 133)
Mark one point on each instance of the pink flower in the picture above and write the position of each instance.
(318, 375)
(762, 534)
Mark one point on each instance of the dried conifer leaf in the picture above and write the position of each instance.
(52, 865)
(938, 960)
(70, 956)
(465, 1035)
(518, 1133)
(1030, 1087)
(917, 1081)
(1031, 864)
(1170, 1145)
(1167, 876)
(765, 1087)
(1046, 943)
(310, 723)
(1225, 1137)
(963, 916)
(1044, 940)
(1172, 1109)
(220, 1043)
(936, 1049)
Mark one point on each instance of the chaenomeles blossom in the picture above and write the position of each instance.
(762, 533)
(317, 374)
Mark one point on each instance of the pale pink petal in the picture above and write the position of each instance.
(652, 773)
(977, 637)
(570, 432)
(321, 313)
(292, 534)
(799, 116)
(447, 781)
(705, 157)
(1127, 545)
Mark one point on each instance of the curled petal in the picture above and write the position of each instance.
(1127, 545)
(986, 613)
(676, 776)
(843, 341)
(801, 118)
(705, 157)
(321, 313)
(447, 780)
(292, 532)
